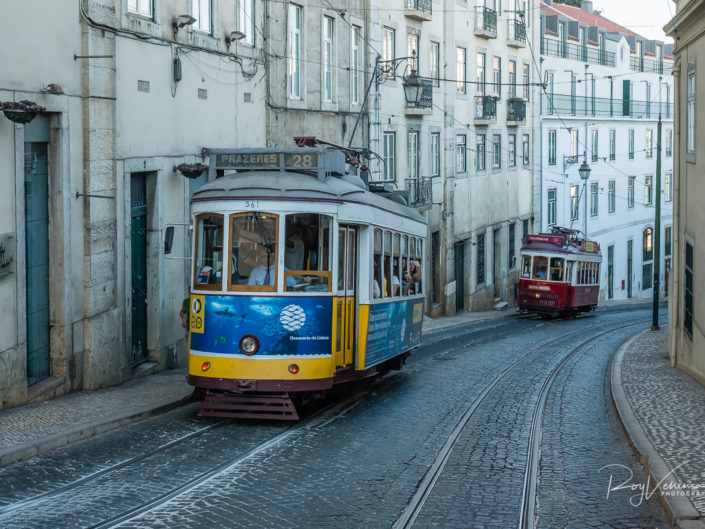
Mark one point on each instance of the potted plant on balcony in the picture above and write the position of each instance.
(21, 112)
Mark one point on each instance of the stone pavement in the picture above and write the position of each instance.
(29, 430)
(663, 412)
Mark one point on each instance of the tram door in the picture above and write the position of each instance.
(344, 317)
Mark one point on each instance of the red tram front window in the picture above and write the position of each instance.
(556, 269)
(526, 266)
(540, 267)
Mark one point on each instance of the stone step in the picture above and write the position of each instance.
(502, 305)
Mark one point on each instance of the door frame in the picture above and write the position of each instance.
(346, 298)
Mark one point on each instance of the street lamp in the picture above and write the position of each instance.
(412, 89)
(584, 172)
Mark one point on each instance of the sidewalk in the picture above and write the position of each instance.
(663, 412)
(30, 430)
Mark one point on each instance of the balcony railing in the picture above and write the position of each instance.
(637, 64)
(516, 109)
(567, 50)
(486, 107)
(565, 105)
(516, 33)
(420, 191)
(420, 9)
(485, 22)
(426, 99)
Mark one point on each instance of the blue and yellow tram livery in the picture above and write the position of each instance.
(302, 278)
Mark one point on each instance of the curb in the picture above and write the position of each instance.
(40, 446)
(679, 508)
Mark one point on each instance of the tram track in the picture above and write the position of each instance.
(414, 507)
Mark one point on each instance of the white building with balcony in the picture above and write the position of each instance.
(605, 89)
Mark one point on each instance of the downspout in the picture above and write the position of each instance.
(674, 298)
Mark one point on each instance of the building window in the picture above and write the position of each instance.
(630, 192)
(480, 73)
(201, 11)
(631, 144)
(551, 209)
(512, 152)
(412, 50)
(328, 28)
(524, 229)
(496, 151)
(246, 20)
(613, 144)
(356, 39)
(435, 154)
(690, 128)
(390, 149)
(593, 199)
(648, 195)
(480, 258)
(460, 69)
(388, 50)
(525, 83)
(611, 196)
(668, 188)
(574, 140)
(480, 152)
(595, 153)
(573, 202)
(647, 255)
(512, 78)
(512, 243)
(648, 143)
(549, 77)
(667, 241)
(434, 63)
(295, 63)
(460, 153)
(140, 7)
(412, 147)
(551, 147)
(525, 150)
(497, 76)
(688, 305)
(669, 142)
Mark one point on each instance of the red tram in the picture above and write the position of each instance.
(560, 273)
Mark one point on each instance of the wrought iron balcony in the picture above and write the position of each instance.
(485, 22)
(516, 33)
(516, 110)
(420, 191)
(562, 104)
(486, 107)
(640, 64)
(567, 50)
(418, 9)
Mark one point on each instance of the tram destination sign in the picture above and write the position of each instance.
(267, 160)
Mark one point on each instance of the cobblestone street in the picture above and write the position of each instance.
(361, 463)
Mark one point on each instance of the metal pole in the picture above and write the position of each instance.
(373, 79)
(657, 228)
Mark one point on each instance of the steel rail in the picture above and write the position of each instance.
(408, 516)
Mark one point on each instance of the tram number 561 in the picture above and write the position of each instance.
(198, 312)
(251, 204)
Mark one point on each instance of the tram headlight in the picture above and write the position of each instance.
(206, 366)
(249, 344)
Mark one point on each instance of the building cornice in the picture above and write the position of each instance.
(690, 14)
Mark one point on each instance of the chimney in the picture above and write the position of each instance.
(586, 5)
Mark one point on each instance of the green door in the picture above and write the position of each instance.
(139, 268)
(37, 260)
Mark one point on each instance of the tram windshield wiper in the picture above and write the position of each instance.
(266, 241)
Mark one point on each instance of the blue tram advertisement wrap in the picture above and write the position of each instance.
(302, 278)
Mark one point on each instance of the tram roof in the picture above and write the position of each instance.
(547, 247)
(286, 185)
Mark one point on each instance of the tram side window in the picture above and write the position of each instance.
(390, 287)
(307, 248)
(253, 251)
(556, 269)
(526, 266)
(415, 267)
(209, 250)
(569, 271)
(540, 267)
(377, 265)
(396, 265)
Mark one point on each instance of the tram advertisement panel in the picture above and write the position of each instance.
(393, 328)
(284, 326)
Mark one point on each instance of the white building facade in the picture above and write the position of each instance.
(605, 90)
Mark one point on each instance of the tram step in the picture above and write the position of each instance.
(249, 406)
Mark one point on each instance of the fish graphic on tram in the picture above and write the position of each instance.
(302, 278)
(560, 273)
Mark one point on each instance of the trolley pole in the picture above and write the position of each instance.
(657, 228)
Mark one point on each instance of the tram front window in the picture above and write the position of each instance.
(209, 250)
(253, 251)
(307, 252)
(540, 267)
(526, 266)
(556, 269)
